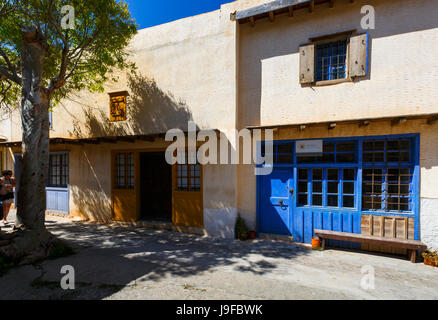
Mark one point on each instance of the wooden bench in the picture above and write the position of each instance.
(411, 245)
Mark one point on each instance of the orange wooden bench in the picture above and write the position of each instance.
(411, 245)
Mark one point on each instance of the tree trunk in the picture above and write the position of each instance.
(33, 241)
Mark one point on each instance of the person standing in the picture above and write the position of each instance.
(7, 182)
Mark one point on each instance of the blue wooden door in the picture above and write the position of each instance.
(276, 202)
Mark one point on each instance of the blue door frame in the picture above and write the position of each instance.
(304, 219)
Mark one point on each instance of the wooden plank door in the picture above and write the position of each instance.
(187, 196)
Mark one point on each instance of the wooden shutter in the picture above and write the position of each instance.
(307, 64)
(358, 64)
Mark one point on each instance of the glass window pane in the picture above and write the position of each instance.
(302, 200)
(329, 147)
(285, 148)
(317, 187)
(332, 187)
(303, 174)
(348, 201)
(317, 200)
(317, 174)
(284, 158)
(332, 201)
(345, 158)
(345, 147)
(349, 174)
(302, 186)
(348, 187)
(333, 174)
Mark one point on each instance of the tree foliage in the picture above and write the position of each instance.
(76, 59)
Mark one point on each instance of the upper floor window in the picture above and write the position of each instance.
(332, 58)
(118, 106)
(331, 61)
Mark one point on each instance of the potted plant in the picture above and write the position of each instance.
(241, 230)
(252, 234)
(430, 258)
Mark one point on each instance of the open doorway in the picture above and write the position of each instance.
(155, 187)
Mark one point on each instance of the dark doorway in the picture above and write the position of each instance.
(155, 187)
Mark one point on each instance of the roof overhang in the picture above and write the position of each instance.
(99, 140)
(278, 7)
(430, 118)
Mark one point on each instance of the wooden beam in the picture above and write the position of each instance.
(147, 138)
(311, 6)
(252, 21)
(127, 139)
(398, 121)
(271, 16)
(108, 140)
(291, 11)
(89, 141)
(432, 120)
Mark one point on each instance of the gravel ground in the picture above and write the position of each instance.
(121, 262)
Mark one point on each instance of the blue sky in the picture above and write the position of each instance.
(150, 13)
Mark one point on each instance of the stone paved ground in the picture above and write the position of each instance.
(120, 262)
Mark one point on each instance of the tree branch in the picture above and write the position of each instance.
(8, 62)
(5, 74)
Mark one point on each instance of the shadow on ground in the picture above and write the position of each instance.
(109, 259)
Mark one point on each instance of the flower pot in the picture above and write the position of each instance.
(431, 261)
(316, 243)
(252, 235)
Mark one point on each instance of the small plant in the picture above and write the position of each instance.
(241, 230)
(430, 257)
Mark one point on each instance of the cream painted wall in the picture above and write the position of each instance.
(186, 70)
(403, 73)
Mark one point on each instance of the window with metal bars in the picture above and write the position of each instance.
(387, 183)
(58, 170)
(124, 170)
(331, 60)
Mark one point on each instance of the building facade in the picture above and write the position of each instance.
(363, 101)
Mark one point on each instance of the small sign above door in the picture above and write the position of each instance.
(309, 148)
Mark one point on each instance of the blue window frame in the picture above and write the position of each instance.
(331, 60)
(370, 174)
(327, 187)
(334, 152)
(388, 175)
